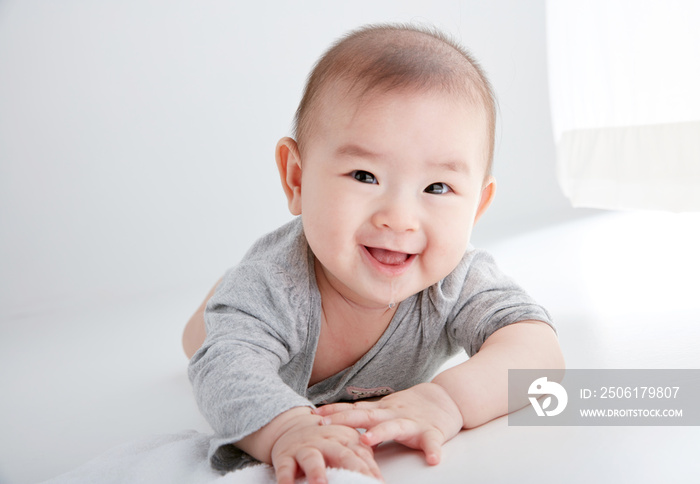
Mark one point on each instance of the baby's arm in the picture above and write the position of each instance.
(479, 386)
(465, 396)
(238, 385)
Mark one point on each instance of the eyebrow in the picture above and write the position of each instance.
(356, 151)
(454, 166)
(353, 150)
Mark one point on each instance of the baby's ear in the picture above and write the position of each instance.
(289, 167)
(488, 191)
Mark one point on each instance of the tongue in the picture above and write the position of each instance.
(388, 257)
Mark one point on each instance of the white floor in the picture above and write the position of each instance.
(622, 288)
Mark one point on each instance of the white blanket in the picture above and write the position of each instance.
(173, 459)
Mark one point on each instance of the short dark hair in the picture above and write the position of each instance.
(393, 56)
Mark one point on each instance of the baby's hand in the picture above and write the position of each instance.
(422, 417)
(309, 447)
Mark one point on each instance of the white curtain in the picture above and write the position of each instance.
(625, 94)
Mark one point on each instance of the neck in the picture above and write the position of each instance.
(343, 313)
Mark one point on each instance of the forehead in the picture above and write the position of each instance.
(431, 124)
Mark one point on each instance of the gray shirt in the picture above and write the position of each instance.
(263, 325)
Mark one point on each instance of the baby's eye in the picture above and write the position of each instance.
(438, 189)
(363, 176)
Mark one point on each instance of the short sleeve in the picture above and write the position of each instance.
(486, 300)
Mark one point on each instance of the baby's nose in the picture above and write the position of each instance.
(398, 213)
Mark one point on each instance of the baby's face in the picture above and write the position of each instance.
(390, 190)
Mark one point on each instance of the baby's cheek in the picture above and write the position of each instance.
(450, 256)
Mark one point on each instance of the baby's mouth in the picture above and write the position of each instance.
(388, 257)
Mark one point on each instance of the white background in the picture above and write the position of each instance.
(136, 165)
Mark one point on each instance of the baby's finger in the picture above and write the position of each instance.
(333, 408)
(358, 418)
(285, 470)
(431, 444)
(399, 429)
(314, 466)
(374, 467)
(357, 461)
(358, 458)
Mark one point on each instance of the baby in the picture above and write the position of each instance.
(375, 285)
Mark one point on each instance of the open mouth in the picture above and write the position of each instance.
(389, 260)
(388, 257)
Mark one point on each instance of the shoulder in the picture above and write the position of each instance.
(270, 288)
(283, 250)
(477, 271)
(278, 265)
(479, 299)
(282, 245)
